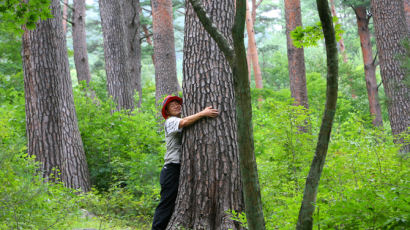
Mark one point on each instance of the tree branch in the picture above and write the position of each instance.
(379, 85)
(218, 37)
(68, 6)
(149, 11)
(375, 58)
(66, 19)
(183, 13)
(257, 4)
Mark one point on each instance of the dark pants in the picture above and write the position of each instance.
(169, 181)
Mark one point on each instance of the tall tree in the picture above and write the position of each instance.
(65, 15)
(210, 178)
(236, 57)
(252, 49)
(131, 13)
(341, 42)
(166, 81)
(119, 83)
(391, 29)
(79, 42)
(363, 19)
(296, 58)
(305, 219)
(51, 121)
(407, 12)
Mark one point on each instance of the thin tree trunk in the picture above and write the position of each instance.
(130, 11)
(148, 36)
(65, 15)
(296, 59)
(407, 13)
(305, 220)
(369, 65)
(51, 121)
(391, 29)
(249, 63)
(341, 42)
(79, 42)
(119, 83)
(253, 51)
(166, 80)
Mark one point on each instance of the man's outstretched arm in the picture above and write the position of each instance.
(207, 112)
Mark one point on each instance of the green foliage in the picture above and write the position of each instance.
(10, 58)
(120, 206)
(310, 35)
(364, 183)
(26, 201)
(15, 13)
(238, 217)
(121, 149)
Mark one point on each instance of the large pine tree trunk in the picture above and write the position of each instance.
(369, 65)
(252, 50)
(305, 219)
(296, 59)
(166, 80)
(51, 121)
(390, 29)
(119, 83)
(210, 183)
(130, 11)
(79, 42)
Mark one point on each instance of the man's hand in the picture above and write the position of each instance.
(207, 112)
(210, 112)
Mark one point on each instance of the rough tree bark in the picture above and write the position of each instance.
(305, 220)
(369, 64)
(166, 81)
(131, 14)
(210, 182)
(341, 42)
(119, 83)
(219, 10)
(391, 29)
(296, 58)
(252, 50)
(79, 42)
(51, 121)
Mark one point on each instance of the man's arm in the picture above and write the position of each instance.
(207, 112)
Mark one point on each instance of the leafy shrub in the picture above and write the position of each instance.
(364, 183)
(26, 201)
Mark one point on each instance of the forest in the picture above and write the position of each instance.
(312, 132)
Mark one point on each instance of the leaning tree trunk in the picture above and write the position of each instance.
(166, 81)
(252, 50)
(296, 58)
(51, 121)
(391, 29)
(305, 220)
(210, 183)
(369, 64)
(119, 83)
(131, 14)
(79, 42)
